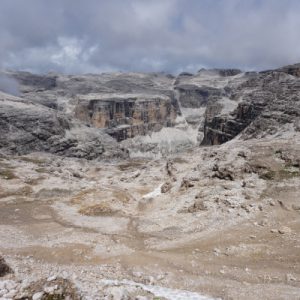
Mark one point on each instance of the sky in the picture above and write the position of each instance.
(93, 36)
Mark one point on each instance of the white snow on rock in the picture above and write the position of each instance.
(154, 193)
(158, 291)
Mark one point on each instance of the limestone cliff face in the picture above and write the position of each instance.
(126, 116)
(217, 104)
(268, 104)
(222, 128)
(27, 127)
(293, 70)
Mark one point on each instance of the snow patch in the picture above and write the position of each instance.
(154, 193)
(158, 291)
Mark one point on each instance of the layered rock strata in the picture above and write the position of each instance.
(29, 127)
(126, 116)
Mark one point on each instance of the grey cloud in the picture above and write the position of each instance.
(9, 85)
(141, 35)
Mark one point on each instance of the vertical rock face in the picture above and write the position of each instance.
(268, 104)
(193, 96)
(126, 116)
(216, 105)
(220, 129)
(27, 127)
(291, 70)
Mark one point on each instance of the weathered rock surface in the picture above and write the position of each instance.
(126, 104)
(128, 115)
(29, 127)
(268, 104)
(218, 104)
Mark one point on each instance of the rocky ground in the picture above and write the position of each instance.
(221, 221)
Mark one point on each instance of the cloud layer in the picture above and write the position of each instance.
(81, 36)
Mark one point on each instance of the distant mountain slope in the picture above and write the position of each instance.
(220, 103)
(27, 127)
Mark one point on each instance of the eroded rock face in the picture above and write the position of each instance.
(269, 104)
(127, 116)
(29, 127)
(218, 104)
(220, 129)
(291, 70)
(193, 96)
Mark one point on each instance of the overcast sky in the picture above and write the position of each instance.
(82, 36)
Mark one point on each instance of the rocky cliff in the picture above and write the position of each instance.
(268, 104)
(27, 127)
(128, 115)
(125, 105)
(211, 106)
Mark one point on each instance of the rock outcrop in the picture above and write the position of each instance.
(126, 105)
(128, 115)
(268, 105)
(213, 106)
(28, 127)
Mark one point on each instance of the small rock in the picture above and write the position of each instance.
(3, 292)
(263, 222)
(186, 183)
(198, 205)
(50, 289)
(296, 207)
(290, 277)
(137, 274)
(142, 298)
(119, 293)
(166, 187)
(23, 295)
(217, 251)
(64, 274)
(284, 230)
(160, 277)
(151, 280)
(38, 296)
(52, 278)
(136, 174)
(10, 285)
(11, 294)
(274, 230)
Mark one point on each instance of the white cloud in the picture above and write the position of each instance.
(139, 35)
